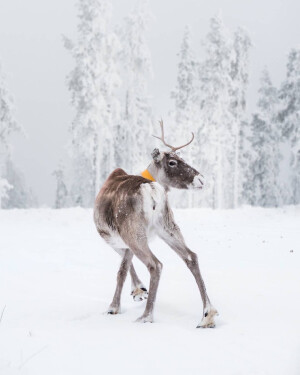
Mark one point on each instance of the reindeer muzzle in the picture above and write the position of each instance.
(198, 182)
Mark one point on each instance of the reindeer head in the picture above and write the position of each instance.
(171, 170)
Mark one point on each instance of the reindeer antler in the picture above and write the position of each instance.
(162, 138)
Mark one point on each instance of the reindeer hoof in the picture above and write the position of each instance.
(113, 310)
(139, 294)
(208, 318)
(145, 319)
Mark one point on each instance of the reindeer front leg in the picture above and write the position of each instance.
(171, 234)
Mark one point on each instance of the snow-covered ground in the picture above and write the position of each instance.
(57, 278)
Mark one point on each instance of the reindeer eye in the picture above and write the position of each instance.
(172, 163)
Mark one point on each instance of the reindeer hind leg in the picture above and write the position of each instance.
(114, 307)
(140, 248)
(138, 290)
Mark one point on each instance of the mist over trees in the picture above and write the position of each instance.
(266, 155)
(246, 159)
(93, 83)
(210, 98)
(113, 117)
(136, 69)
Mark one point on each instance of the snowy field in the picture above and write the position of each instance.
(57, 278)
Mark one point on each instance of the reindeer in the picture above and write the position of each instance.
(130, 209)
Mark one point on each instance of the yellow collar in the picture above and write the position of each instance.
(146, 174)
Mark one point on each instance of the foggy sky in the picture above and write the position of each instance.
(33, 56)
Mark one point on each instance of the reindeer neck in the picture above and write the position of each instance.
(152, 173)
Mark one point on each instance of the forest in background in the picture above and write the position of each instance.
(245, 158)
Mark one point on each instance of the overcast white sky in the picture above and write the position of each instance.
(33, 56)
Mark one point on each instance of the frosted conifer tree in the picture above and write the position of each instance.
(185, 93)
(8, 124)
(20, 196)
(240, 77)
(217, 134)
(93, 84)
(296, 179)
(61, 193)
(289, 118)
(4, 188)
(263, 175)
(13, 192)
(186, 112)
(136, 126)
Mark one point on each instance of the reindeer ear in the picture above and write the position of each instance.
(156, 155)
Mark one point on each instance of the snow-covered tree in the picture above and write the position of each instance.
(263, 175)
(185, 93)
(217, 133)
(185, 116)
(289, 118)
(240, 78)
(8, 124)
(4, 188)
(93, 84)
(245, 162)
(19, 196)
(136, 124)
(61, 192)
(13, 190)
(296, 179)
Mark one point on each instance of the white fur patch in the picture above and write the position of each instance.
(154, 198)
(117, 243)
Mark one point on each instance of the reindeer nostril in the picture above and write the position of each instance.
(198, 181)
